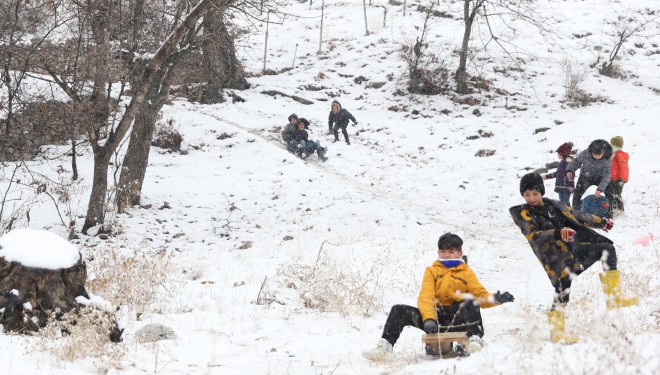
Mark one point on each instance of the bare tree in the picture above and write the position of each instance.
(91, 86)
(426, 73)
(470, 9)
(629, 23)
(222, 70)
(136, 159)
(18, 20)
(487, 10)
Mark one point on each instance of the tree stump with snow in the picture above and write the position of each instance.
(41, 275)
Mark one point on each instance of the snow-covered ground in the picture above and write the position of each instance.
(266, 264)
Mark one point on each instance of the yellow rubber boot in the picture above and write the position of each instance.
(612, 287)
(558, 328)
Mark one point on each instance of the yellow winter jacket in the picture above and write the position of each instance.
(442, 286)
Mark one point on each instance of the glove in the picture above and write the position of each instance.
(609, 224)
(430, 326)
(620, 182)
(355, 123)
(503, 297)
(598, 193)
(567, 234)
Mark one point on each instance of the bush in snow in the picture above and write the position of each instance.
(167, 135)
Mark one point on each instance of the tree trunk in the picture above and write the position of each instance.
(461, 72)
(220, 63)
(96, 205)
(136, 160)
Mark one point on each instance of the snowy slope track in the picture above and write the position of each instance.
(429, 212)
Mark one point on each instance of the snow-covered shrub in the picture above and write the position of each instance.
(573, 79)
(80, 335)
(134, 279)
(335, 284)
(167, 135)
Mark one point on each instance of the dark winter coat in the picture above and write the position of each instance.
(289, 128)
(562, 182)
(591, 168)
(287, 133)
(300, 135)
(340, 118)
(541, 227)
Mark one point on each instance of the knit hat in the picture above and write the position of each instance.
(532, 181)
(617, 141)
(565, 149)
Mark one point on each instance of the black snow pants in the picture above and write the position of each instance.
(336, 128)
(462, 316)
(582, 185)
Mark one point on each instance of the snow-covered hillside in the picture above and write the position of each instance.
(266, 264)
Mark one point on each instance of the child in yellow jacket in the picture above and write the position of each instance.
(449, 301)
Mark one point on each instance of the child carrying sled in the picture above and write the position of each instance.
(565, 245)
(443, 304)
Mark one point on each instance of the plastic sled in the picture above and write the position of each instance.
(594, 205)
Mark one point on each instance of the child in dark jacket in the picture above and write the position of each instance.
(595, 166)
(339, 117)
(305, 146)
(442, 305)
(287, 133)
(564, 243)
(563, 185)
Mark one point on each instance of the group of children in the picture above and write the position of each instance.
(561, 237)
(296, 137)
(602, 164)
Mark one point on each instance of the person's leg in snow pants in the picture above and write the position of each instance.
(459, 313)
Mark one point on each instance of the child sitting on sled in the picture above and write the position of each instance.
(305, 146)
(449, 301)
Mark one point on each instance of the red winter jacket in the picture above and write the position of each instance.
(620, 166)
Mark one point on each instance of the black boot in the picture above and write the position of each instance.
(335, 140)
(430, 352)
(348, 142)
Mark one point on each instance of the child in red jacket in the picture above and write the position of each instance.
(619, 176)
